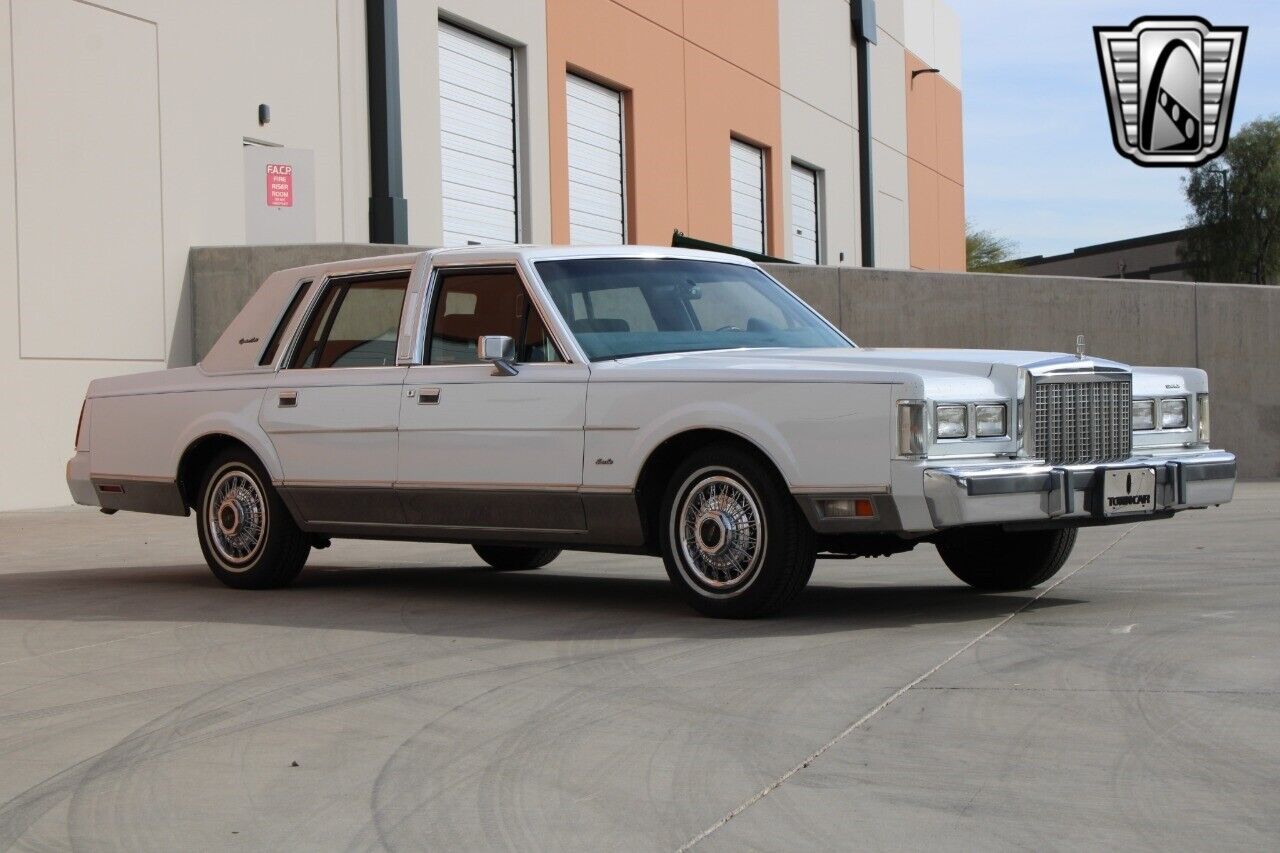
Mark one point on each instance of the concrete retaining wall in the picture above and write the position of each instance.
(1231, 331)
(222, 278)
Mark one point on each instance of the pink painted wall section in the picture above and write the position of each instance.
(935, 170)
(693, 73)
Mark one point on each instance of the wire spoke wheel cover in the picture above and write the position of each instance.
(718, 532)
(236, 517)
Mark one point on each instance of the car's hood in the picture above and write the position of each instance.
(834, 365)
(924, 372)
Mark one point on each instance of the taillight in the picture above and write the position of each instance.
(84, 408)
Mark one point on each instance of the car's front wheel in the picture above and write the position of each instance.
(246, 533)
(991, 559)
(733, 539)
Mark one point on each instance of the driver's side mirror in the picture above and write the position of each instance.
(498, 350)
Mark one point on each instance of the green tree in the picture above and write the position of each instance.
(1235, 209)
(985, 251)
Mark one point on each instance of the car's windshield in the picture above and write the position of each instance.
(620, 307)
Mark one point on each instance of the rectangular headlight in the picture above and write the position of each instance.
(912, 440)
(1202, 418)
(1173, 413)
(991, 420)
(953, 421)
(1144, 414)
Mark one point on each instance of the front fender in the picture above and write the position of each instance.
(818, 435)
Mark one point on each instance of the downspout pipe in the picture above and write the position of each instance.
(864, 35)
(388, 210)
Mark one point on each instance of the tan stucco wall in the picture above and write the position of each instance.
(689, 84)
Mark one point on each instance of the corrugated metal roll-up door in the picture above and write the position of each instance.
(596, 171)
(746, 182)
(477, 139)
(804, 214)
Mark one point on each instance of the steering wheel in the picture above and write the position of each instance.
(729, 328)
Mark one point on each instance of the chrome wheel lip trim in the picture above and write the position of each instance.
(692, 485)
(218, 535)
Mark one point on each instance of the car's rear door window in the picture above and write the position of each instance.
(355, 324)
(273, 345)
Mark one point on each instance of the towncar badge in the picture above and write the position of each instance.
(1170, 85)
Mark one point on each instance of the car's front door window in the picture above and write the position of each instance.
(472, 303)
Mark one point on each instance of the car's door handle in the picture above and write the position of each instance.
(428, 396)
(288, 399)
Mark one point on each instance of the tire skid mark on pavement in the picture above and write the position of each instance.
(197, 721)
(893, 697)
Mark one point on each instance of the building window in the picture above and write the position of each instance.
(806, 217)
(597, 170)
(747, 196)
(478, 157)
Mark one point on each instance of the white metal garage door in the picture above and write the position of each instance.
(804, 214)
(596, 175)
(477, 139)
(746, 182)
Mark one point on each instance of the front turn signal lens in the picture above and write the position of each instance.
(1202, 418)
(912, 429)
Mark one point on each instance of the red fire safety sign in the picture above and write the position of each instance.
(279, 185)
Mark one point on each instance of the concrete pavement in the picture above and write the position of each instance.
(428, 703)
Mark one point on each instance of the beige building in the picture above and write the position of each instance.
(131, 130)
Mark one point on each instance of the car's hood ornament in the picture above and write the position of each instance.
(1080, 347)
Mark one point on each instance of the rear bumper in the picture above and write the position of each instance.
(137, 493)
(82, 491)
(1031, 493)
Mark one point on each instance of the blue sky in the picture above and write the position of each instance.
(1040, 167)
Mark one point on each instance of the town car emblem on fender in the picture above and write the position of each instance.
(1170, 84)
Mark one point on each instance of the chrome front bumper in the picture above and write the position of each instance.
(1018, 492)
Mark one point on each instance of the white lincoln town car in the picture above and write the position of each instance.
(641, 400)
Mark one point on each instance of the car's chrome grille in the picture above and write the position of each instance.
(1081, 422)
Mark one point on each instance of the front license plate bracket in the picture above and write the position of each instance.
(1127, 491)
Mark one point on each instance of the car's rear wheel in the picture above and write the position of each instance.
(732, 537)
(991, 559)
(246, 533)
(509, 558)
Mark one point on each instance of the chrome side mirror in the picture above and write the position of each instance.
(498, 350)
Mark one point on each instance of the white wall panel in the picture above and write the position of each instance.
(87, 116)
